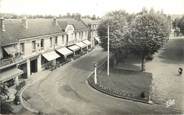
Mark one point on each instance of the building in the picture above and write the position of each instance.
(93, 25)
(28, 46)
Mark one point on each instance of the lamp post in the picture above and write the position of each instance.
(108, 50)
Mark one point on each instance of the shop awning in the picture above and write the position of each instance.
(10, 74)
(74, 48)
(87, 42)
(10, 50)
(64, 51)
(81, 44)
(50, 55)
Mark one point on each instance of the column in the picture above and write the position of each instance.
(39, 65)
(17, 81)
(28, 68)
(54, 62)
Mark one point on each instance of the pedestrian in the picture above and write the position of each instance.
(180, 71)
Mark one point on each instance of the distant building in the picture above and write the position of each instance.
(93, 25)
(32, 45)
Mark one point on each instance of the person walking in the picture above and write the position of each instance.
(180, 71)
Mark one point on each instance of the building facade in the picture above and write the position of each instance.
(92, 25)
(28, 46)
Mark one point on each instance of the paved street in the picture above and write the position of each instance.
(65, 91)
(167, 83)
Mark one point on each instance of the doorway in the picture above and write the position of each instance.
(33, 66)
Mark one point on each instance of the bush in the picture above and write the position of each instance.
(149, 57)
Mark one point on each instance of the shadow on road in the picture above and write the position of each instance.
(173, 52)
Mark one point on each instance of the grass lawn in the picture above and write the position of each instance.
(129, 82)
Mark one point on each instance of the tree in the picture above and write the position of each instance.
(118, 24)
(148, 33)
(181, 24)
(93, 17)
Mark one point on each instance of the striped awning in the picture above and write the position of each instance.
(81, 44)
(10, 74)
(74, 48)
(64, 51)
(50, 55)
(11, 50)
(87, 42)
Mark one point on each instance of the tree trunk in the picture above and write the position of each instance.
(142, 63)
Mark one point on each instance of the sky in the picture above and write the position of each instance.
(88, 7)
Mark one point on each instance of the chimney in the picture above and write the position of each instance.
(2, 25)
(25, 23)
(54, 21)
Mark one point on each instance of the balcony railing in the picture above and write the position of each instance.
(10, 60)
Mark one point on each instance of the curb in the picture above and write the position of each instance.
(98, 88)
(22, 100)
(26, 86)
(129, 99)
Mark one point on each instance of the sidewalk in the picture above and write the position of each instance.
(34, 78)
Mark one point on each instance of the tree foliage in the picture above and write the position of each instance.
(142, 34)
(117, 26)
(181, 25)
(148, 33)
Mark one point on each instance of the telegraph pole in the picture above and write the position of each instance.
(108, 50)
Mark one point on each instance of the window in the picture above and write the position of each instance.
(56, 40)
(75, 35)
(82, 34)
(42, 43)
(50, 41)
(63, 39)
(22, 48)
(33, 46)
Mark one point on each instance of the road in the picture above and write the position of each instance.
(65, 91)
(167, 84)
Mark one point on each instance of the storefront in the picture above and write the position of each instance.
(75, 49)
(10, 76)
(88, 43)
(83, 47)
(49, 59)
(65, 53)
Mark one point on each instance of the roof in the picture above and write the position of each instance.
(90, 21)
(14, 29)
(79, 25)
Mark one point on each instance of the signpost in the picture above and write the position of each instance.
(95, 77)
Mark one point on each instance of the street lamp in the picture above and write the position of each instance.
(108, 50)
